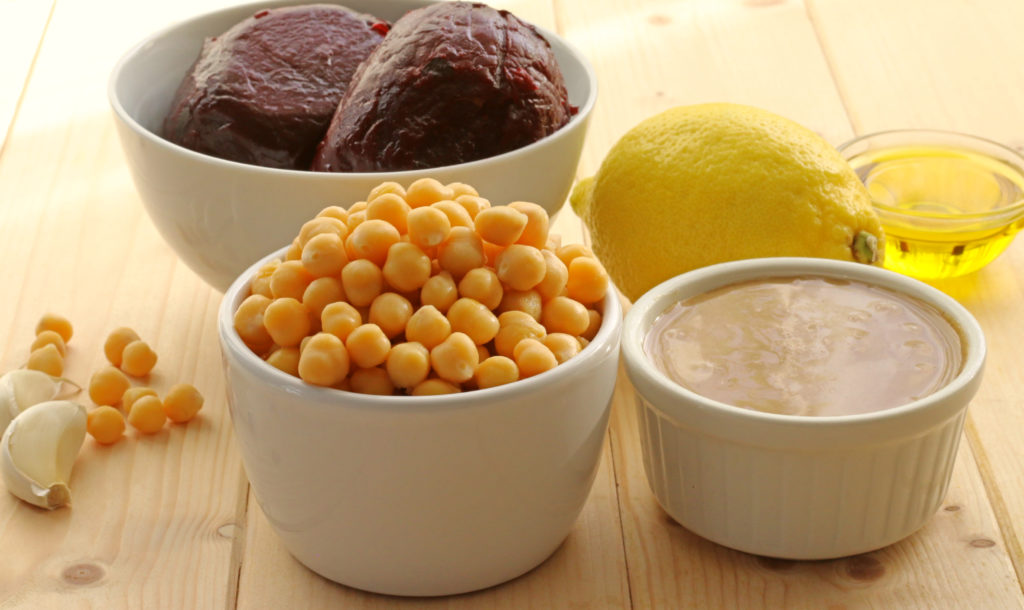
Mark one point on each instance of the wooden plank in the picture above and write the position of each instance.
(948, 65)
(151, 519)
(765, 54)
(21, 31)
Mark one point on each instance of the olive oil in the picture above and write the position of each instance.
(946, 211)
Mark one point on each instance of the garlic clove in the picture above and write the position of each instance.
(38, 451)
(22, 388)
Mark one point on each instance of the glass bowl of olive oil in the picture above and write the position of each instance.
(949, 202)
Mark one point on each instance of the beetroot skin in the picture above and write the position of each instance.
(451, 83)
(264, 92)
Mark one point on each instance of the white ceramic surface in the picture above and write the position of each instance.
(421, 495)
(220, 216)
(789, 486)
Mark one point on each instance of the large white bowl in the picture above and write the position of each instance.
(220, 216)
(421, 495)
(792, 486)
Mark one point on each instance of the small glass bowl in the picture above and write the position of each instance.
(949, 202)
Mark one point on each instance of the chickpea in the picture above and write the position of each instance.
(113, 347)
(320, 293)
(565, 315)
(261, 283)
(588, 281)
(49, 337)
(427, 326)
(570, 251)
(340, 319)
(362, 281)
(510, 335)
(46, 359)
(390, 208)
(435, 387)
(372, 239)
(105, 424)
(500, 225)
(426, 191)
(285, 359)
(390, 311)
(147, 415)
(248, 325)
(491, 253)
(386, 187)
(428, 226)
(562, 345)
(483, 285)
(554, 242)
(462, 251)
(373, 380)
(593, 326)
(495, 371)
(515, 316)
(456, 214)
(182, 403)
(533, 358)
(455, 358)
(287, 321)
(334, 211)
(528, 301)
(57, 323)
(132, 394)
(473, 204)
(556, 275)
(459, 188)
(107, 386)
(536, 232)
(325, 361)
(138, 359)
(359, 206)
(473, 318)
(321, 225)
(439, 291)
(355, 218)
(406, 268)
(521, 267)
(408, 364)
(290, 279)
(324, 255)
(294, 251)
(368, 346)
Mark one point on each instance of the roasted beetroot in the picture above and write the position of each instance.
(452, 82)
(264, 92)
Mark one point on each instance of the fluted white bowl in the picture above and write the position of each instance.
(796, 487)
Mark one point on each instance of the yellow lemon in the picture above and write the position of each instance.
(703, 184)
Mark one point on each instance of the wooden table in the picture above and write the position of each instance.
(169, 521)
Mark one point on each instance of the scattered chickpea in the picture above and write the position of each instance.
(57, 323)
(49, 337)
(182, 402)
(113, 347)
(147, 415)
(132, 394)
(46, 359)
(108, 385)
(105, 424)
(138, 359)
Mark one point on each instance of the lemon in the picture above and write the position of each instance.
(708, 183)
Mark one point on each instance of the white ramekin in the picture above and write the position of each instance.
(792, 486)
(421, 495)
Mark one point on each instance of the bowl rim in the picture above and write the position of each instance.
(686, 403)
(607, 339)
(576, 121)
(1003, 215)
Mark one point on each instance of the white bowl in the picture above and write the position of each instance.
(792, 486)
(421, 495)
(219, 216)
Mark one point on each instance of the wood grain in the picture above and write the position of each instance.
(21, 32)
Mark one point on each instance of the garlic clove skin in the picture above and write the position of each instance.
(22, 388)
(38, 451)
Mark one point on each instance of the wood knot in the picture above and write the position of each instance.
(659, 20)
(228, 530)
(864, 568)
(982, 543)
(82, 573)
(952, 508)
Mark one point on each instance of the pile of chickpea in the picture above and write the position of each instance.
(423, 290)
